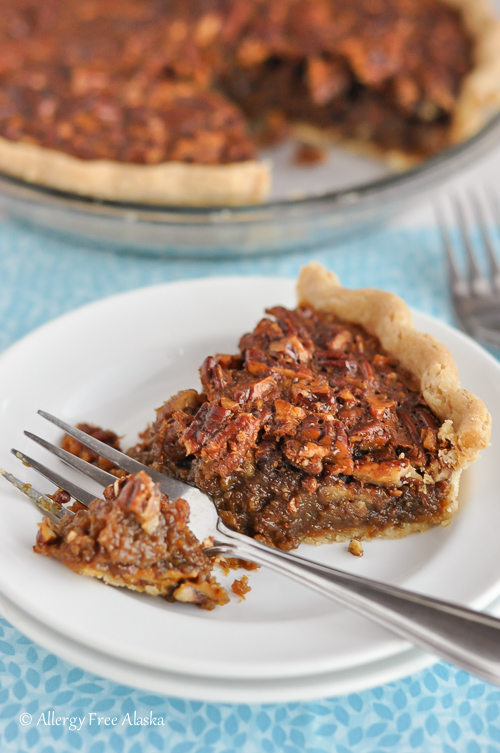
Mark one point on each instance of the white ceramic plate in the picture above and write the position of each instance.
(214, 689)
(112, 363)
(217, 690)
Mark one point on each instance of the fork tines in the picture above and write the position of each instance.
(169, 486)
(77, 492)
(475, 285)
(469, 213)
(44, 503)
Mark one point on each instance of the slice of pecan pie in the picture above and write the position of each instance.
(336, 420)
(164, 102)
(134, 537)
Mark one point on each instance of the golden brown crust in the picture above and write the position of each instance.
(466, 421)
(391, 532)
(480, 95)
(173, 183)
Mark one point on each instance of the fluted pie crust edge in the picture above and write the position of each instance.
(466, 420)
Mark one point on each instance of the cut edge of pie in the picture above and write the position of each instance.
(477, 102)
(466, 420)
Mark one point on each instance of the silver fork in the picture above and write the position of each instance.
(463, 636)
(475, 296)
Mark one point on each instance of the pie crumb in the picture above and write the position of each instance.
(309, 154)
(240, 587)
(355, 547)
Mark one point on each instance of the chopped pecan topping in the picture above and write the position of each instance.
(291, 349)
(286, 419)
(227, 448)
(212, 378)
(341, 455)
(379, 404)
(370, 436)
(60, 497)
(340, 341)
(206, 423)
(305, 455)
(383, 473)
(141, 496)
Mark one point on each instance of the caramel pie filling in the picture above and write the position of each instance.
(150, 82)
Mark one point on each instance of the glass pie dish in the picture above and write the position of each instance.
(308, 207)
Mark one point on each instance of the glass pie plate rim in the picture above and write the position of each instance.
(272, 226)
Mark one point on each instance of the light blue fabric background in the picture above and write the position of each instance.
(438, 710)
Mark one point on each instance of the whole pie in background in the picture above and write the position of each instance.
(167, 102)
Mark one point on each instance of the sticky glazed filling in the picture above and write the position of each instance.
(116, 80)
(310, 433)
(154, 81)
(136, 538)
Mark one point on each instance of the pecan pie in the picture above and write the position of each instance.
(165, 101)
(336, 420)
(134, 537)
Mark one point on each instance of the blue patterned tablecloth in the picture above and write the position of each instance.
(441, 710)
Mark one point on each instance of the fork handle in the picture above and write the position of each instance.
(460, 635)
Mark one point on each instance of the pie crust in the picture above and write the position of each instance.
(174, 183)
(247, 182)
(480, 96)
(466, 421)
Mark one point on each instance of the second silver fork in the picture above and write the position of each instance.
(463, 636)
(475, 295)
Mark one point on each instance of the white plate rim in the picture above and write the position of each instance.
(390, 646)
(219, 690)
